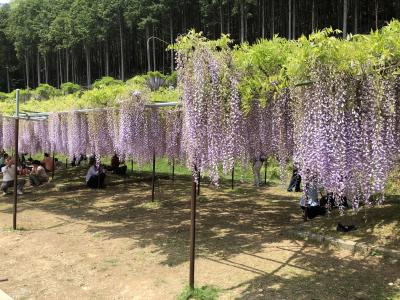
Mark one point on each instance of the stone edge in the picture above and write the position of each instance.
(352, 246)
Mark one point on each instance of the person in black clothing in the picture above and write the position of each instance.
(295, 181)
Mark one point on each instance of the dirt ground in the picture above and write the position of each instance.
(114, 244)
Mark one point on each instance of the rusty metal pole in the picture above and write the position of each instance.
(192, 233)
(153, 179)
(233, 176)
(16, 161)
(173, 170)
(198, 184)
(265, 172)
(54, 166)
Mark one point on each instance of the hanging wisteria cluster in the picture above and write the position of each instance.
(345, 133)
(131, 131)
(213, 122)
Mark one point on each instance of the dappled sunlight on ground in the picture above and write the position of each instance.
(116, 243)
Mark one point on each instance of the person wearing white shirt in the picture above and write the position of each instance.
(8, 177)
(95, 176)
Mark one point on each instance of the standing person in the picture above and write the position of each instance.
(48, 163)
(38, 174)
(295, 181)
(257, 165)
(8, 177)
(95, 175)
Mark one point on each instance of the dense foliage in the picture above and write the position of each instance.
(58, 41)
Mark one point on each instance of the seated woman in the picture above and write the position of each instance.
(95, 175)
(38, 174)
(309, 202)
(8, 177)
(115, 162)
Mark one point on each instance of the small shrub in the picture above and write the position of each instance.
(70, 88)
(45, 91)
(106, 81)
(172, 79)
(3, 96)
(203, 293)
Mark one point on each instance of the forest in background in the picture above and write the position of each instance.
(58, 41)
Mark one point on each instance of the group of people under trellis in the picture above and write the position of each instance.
(36, 171)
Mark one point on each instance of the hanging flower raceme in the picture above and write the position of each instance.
(78, 138)
(8, 133)
(1, 132)
(41, 133)
(27, 143)
(173, 134)
(345, 134)
(58, 132)
(212, 116)
(101, 139)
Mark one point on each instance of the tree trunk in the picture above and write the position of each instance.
(221, 17)
(263, 19)
(46, 70)
(355, 16)
(345, 6)
(8, 80)
(171, 32)
(313, 16)
(67, 64)
(58, 70)
(154, 51)
(228, 21)
(122, 49)
(272, 18)
(148, 49)
(290, 20)
(27, 68)
(294, 20)
(38, 66)
(88, 70)
(376, 14)
(61, 69)
(241, 21)
(107, 54)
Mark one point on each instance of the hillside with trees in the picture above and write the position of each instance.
(79, 41)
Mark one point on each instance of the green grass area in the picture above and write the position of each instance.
(202, 293)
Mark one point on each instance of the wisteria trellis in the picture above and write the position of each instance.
(344, 131)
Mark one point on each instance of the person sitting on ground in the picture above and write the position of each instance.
(8, 177)
(310, 200)
(38, 174)
(115, 162)
(48, 163)
(95, 175)
(295, 181)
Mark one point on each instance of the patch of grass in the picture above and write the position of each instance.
(202, 293)
(151, 205)
(18, 229)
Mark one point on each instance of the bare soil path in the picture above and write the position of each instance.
(114, 244)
